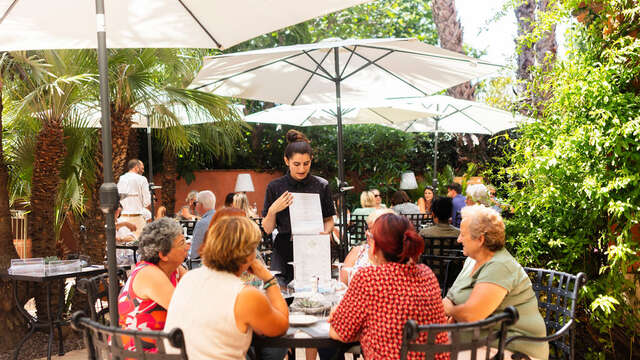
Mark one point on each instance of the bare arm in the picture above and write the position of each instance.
(328, 225)
(152, 283)
(265, 313)
(483, 301)
(281, 203)
(422, 205)
(349, 261)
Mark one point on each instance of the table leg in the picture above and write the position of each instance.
(61, 308)
(30, 322)
(50, 319)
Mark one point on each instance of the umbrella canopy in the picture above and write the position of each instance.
(389, 113)
(453, 115)
(366, 69)
(71, 24)
(339, 71)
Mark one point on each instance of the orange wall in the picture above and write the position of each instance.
(222, 182)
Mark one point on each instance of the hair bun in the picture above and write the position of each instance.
(295, 136)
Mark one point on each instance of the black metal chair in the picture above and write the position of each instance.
(97, 290)
(441, 246)
(419, 220)
(557, 294)
(357, 230)
(106, 342)
(189, 225)
(445, 267)
(463, 337)
(265, 248)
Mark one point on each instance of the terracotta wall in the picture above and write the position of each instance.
(222, 182)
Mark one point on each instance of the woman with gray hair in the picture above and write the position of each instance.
(491, 280)
(477, 194)
(145, 297)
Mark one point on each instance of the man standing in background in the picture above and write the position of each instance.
(134, 195)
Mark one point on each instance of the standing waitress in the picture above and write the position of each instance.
(297, 156)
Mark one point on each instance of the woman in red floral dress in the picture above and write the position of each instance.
(381, 298)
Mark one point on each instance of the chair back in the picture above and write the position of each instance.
(441, 246)
(357, 229)
(419, 220)
(97, 290)
(265, 248)
(463, 337)
(106, 342)
(188, 225)
(445, 267)
(557, 294)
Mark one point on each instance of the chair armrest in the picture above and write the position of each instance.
(551, 337)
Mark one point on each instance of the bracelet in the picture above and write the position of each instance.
(269, 283)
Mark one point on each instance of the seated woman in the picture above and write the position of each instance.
(214, 309)
(424, 203)
(368, 203)
(477, 194)
(492, 279)
(143, 300)
(401, 204)
(240, 201)
(188, 211)
(358, 257)
(380, 299)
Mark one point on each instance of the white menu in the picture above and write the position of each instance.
(311, 250)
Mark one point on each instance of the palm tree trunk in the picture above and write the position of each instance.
(95, 242)
(12, 325)
(169, 176)
(525, 14)
(49, 156)
(449, 28)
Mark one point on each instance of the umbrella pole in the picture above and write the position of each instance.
(341, 186)
(150, 161)
(435, 157)
(109, 197)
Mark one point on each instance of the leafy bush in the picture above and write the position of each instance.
(575, 180)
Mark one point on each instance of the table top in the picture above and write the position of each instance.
(86, 271)
(311, 336)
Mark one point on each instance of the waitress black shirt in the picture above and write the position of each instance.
(311, 184)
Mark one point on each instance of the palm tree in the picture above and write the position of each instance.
(11, 323)
(49, 94)
(151, 82)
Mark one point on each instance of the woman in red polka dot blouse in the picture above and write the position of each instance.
(381, 298)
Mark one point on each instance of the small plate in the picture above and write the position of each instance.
(299, 319)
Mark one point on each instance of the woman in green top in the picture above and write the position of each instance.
(491, 279)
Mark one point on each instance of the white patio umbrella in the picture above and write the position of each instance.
(69, 24)
(453, 115)
(389, 113)
(339, 71)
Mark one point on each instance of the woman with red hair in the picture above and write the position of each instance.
(381, 298)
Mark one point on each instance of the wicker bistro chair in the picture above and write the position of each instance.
(357, 230)
(557, 294)
(445, 267)
(97, 290)
(106, 342)
(463, 337)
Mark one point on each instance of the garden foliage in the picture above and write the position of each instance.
(575, 173)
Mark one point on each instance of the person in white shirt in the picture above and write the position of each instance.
(135, 195)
